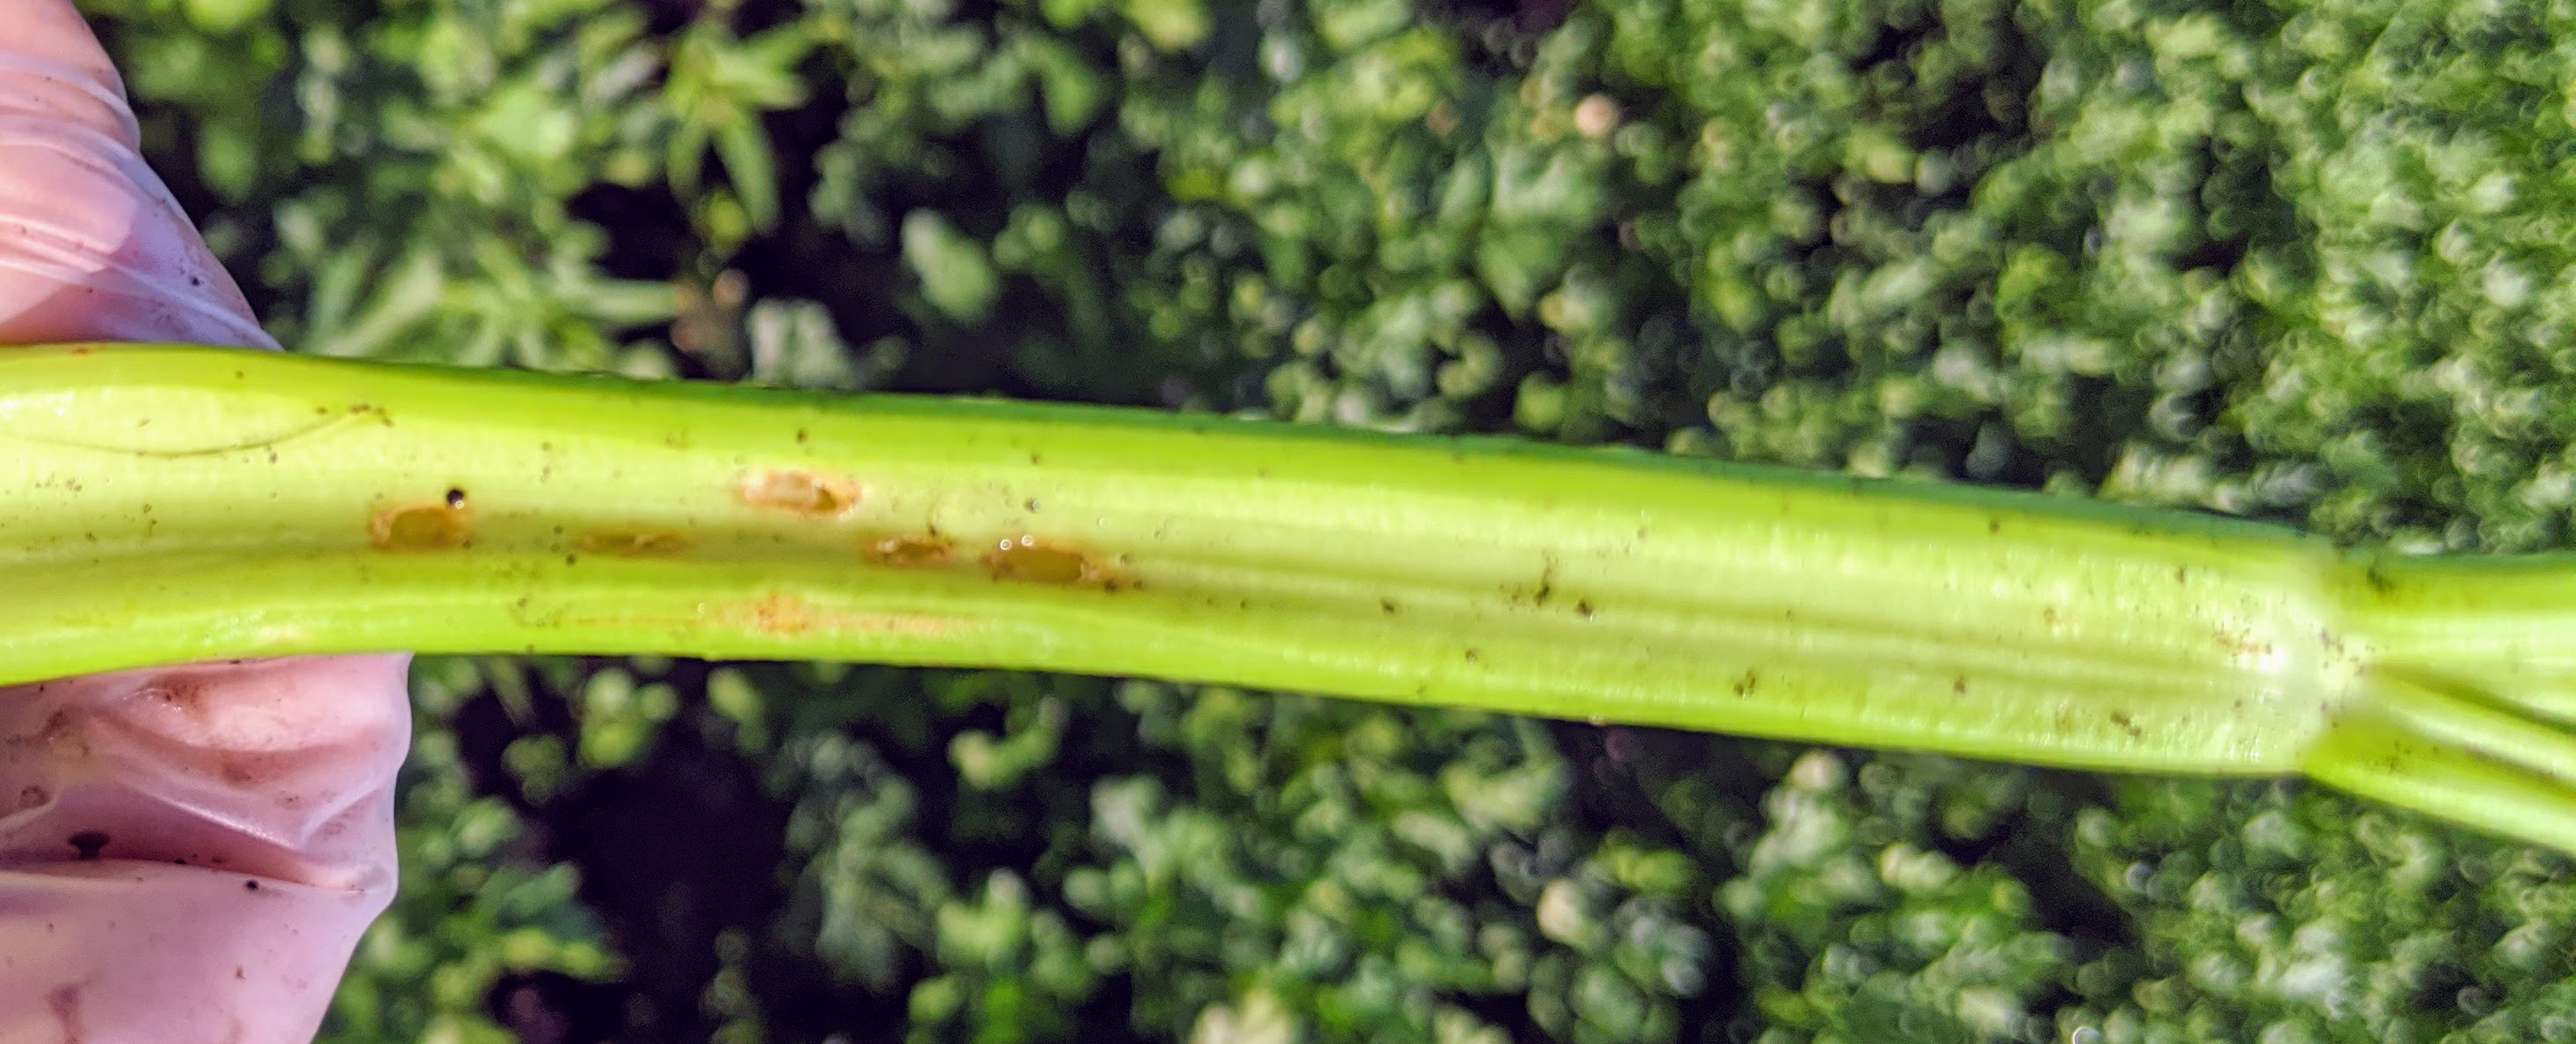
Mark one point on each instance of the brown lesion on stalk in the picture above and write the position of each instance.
(1021, 558)
(786, 616)
(911, 550)
(801, 491)
(631, 543)
(777, 614)
(1031, 559)
(443, 524)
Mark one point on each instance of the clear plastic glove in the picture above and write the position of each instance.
(186, 854)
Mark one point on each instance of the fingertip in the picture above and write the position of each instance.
(53, 68)
(92, 245)
(194, 850)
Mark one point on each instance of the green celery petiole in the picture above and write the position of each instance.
(172, 504)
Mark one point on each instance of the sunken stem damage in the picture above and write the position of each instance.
(177, 504)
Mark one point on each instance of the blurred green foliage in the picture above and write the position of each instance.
(2314, 262)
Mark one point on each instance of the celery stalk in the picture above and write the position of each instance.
(171, 504)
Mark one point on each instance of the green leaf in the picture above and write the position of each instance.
(223, 16)
(1171, 25)
(956, 275)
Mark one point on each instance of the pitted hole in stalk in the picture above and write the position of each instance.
(910, 551)
(1027, 559)
(439, 525)
(801, 491)
(630, 543)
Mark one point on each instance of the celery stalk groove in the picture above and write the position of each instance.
(171, 504)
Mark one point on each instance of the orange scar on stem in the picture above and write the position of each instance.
(910, 550)
(800, 491)
(630, 543)
(786, 615)
(439, 525)
(777, 615)
(1028, 559)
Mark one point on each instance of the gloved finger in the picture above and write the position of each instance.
(92, 246)
(194, 851)
(190, 853)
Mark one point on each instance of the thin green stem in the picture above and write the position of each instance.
(2501, 625)
(176, 504)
